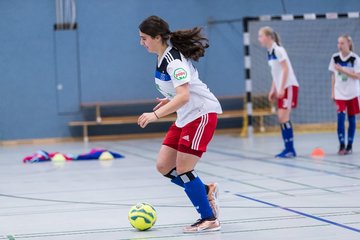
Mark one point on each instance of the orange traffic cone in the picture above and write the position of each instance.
(318, 153)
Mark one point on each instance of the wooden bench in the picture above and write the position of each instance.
(100, 120)
(99, 105)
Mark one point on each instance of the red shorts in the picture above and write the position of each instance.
(352, 106)
(194, 137)
(290, 98)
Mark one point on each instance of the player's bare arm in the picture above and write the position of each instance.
(161, 102)
(285, 76)
(180, 99)
(333, 86)
(347, 72)
(271, 95)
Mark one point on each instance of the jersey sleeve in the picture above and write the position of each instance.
(332, 65)
(357, 64)
(179, 72)
(281, 54)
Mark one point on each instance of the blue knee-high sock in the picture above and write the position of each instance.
(178, 181)
(175, 178)
(196, 192)
(288, 135)
(341, 128)
(351, 129)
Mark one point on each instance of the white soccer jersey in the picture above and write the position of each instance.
(276, 55)
(345, 88)
(174, 70)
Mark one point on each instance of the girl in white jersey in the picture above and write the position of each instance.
(345, 74)
(284, 87)
(177, 79)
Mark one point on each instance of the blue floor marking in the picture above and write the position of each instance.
(299, 213)
(281, 163)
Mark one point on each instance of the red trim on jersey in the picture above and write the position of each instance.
(290, 98)
(194, 137)
(352, 106)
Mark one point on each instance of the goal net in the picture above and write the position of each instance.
(310, 43)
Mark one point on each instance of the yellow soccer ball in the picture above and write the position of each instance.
(142, 216)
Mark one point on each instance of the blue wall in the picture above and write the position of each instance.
(112, 65)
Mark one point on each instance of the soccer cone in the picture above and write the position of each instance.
(318, 153)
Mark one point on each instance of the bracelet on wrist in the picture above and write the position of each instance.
(156, 115)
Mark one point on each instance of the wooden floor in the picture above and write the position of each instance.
(261, 197)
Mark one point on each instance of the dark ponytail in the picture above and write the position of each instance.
(191, 43)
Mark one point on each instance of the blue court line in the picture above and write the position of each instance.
(281, 163)
(299, 213)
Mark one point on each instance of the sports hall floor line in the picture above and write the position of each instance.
(166, 226)
(116, 204)
(270, 177)
(244, 183)
(242, 156)
(232, 168)
(167, 236)
(84, 190)
(268, 156)
(300, 213)
(280, 163)
(308, 159)
(121, 204)
(153, 159)
(306, 189)
(45, 212)
(324, 161)
(207, 173)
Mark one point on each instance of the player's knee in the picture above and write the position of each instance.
(161, 167)
(180, 170)
(282, 118)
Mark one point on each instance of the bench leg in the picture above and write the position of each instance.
(85, 134)
(98, 113)
(262, 124)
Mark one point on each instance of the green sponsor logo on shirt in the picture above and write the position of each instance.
(343, 77)
(180, 74)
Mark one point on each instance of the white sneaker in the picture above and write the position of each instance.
(203, 225)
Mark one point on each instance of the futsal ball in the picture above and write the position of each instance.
(142, 216)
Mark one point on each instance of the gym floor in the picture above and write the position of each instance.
(261, 197)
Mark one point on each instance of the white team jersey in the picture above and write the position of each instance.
(345, 88)
(276, 55)
(174, 70)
